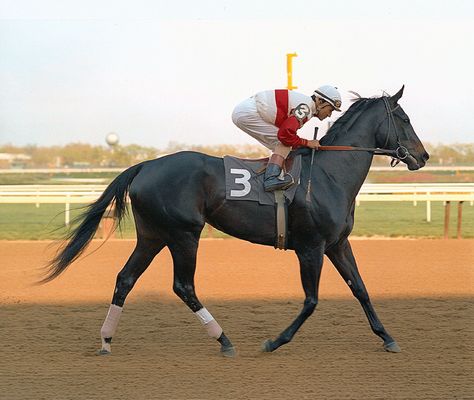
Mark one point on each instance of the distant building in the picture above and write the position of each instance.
(9, 160)
(81, 164)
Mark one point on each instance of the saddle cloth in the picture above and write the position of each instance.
(244, 179)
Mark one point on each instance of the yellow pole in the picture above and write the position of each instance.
(289, 70)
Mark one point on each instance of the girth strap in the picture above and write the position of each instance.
(281, 220)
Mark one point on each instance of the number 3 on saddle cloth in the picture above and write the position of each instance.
(244, 181)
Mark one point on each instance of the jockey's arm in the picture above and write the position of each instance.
(287, 135)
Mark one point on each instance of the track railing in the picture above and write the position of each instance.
(412, 192)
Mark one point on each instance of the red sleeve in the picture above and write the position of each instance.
(287, 133)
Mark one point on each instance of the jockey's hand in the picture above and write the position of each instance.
(313, 144)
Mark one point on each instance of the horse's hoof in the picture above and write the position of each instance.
(267, 346)
(103, 352)
(228, 351)
(392, 347)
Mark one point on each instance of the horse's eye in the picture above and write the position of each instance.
(407, 120)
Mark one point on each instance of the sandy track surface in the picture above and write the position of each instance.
(423, 291)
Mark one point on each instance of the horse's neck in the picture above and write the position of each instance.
(352, 167)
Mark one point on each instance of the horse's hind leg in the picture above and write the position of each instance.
(343, 259)
(138, 262)
(184, 250)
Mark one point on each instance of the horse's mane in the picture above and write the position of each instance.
(344, 123)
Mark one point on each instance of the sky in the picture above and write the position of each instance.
(156, 72)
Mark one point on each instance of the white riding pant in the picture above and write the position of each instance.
(246, 117)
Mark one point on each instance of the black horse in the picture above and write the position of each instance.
(174, 196)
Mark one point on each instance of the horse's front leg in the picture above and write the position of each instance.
(311, 262)
(343, 259)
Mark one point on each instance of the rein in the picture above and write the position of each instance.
(399, 154)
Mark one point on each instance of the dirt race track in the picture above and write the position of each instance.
(423, 291)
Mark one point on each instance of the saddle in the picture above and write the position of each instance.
(244, 181)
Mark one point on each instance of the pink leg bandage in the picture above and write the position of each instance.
(110, 325)
(214, 330)
(111, 321)
(212, 327)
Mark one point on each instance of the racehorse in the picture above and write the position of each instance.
(172, 197)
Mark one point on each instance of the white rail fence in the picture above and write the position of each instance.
(51, 194)
(445, 192)
(83, 194)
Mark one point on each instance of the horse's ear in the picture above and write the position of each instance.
(397, 96)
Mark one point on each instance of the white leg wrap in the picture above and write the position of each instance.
(111, 321)
(213, 328)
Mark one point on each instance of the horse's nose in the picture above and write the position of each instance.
(425, 156)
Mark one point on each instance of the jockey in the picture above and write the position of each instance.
(273, 116)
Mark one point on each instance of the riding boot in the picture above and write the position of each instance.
(274, 179)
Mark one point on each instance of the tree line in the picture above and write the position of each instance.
(87, 155)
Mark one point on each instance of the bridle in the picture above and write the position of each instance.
(399, 154)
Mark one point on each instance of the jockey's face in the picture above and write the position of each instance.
(325, 110)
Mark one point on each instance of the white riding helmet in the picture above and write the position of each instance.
(330, 94)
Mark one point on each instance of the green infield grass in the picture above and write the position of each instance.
(389, 219)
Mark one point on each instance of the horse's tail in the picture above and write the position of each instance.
(77, 240)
